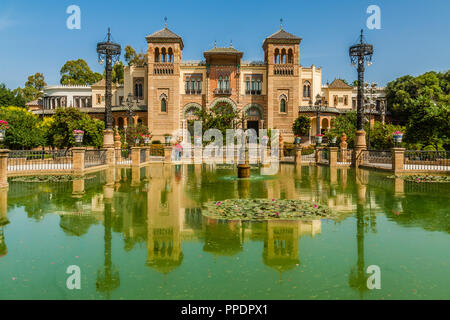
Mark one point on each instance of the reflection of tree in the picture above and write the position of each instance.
(108, 279)
(3, 248)
(76, 225)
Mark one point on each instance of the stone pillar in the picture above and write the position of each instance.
(135, 156)
(281, 151)
(398, 159)
(343, 146)
(110, 156)
(168, 154)
(78, 187)
(318, 154)
(333, 156)
(399, 186)
(3, 207)
(135, 176)
(298, 155)
(78, 160)
(108, 139)
(333, 175)
(118, 156)
(360, 146)
(4, 168)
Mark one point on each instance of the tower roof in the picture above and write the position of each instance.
(165, 35)
(282, 36)
(339, 84)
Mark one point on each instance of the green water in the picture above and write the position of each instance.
(140, 235)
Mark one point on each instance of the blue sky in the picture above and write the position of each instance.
(413, 39)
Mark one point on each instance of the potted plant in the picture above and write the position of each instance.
(136, 140)
(167, 138)
(3, 126)
(398, 137)
(78, 135)
(319, 139)
(331, 137)
(298, 139)
(146, 138)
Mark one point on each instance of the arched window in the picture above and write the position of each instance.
(227, 83)
(307, 90)
(283, 105)
(247, 85)
(335, 101)
(277, 56)
(163, 105)
(258, 86)
(283, 56)
(220, 83)
(346, 100)
(157, 55)
(170, 55)
(163, 55)
(290, 56)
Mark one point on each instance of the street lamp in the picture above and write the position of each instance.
(109, 52)
(360, 54)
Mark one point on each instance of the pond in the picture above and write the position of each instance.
(140, 234)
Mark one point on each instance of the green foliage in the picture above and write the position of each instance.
(65, 121)
(24, 130)
(11, 97)
(428, 123)
(77, 72)
(133, 58)
(403, 93)
(346, 124)
(302, 126)
(222, 117)
(381, 136)
(118, 73)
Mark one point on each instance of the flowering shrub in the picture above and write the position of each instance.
(78, 132)
(319, 135)
(398, 133)
(4, 125)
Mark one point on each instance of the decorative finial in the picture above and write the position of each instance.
(362, 35)
(215, 44)
(231, 44)
(109, 34)
(165, 22)
(281, 24)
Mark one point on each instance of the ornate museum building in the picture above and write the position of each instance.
(167, 90)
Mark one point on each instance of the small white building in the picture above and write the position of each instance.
(66, 97)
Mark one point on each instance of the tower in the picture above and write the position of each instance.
(163, 58)
(282, 55)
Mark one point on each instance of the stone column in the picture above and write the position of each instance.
(108, 139)
(318, 154)
(78, 160)
(4, 168)
(343, 146)
(110, 156)
(333, 156)
(298, 155)
(399, 186)
(398, 159)
(78, 187)
(135, 156)
(360, 146)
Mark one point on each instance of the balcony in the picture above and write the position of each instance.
(253, 92)
(283, 70)
(223, 91)
(163, 69)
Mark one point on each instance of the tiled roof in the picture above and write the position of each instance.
(164, 33)
(224, 50)
(339, 84)
(281, 34)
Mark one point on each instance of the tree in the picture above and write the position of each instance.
(118, 73)
(346, 124)
(33, 87)
(65, 121)
(429, 123)
(77, 72)
(302, 126)
(220, 117)
(11, 97)
(133, 58)
(24, 130)
(381, 137)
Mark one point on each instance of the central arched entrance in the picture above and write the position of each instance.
(254, 115)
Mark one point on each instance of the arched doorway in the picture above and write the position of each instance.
(325, 125)
(254, 117)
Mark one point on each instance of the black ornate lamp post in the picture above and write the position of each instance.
(110, 52)
(360, 54)
(318, 108)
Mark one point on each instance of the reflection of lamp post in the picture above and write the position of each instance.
(110, 52)
(359, 55)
